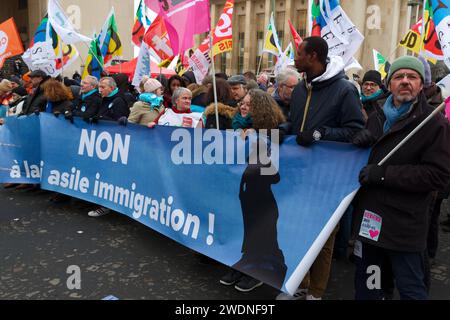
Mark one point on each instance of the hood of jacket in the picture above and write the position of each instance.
(333, 72)
(223, 109)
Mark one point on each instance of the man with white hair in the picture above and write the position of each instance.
(90, 102)
(287, 80)
(114, 106)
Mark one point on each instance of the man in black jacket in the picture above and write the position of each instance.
(391, 210)
(36, 102)
(324, 106)
(114, 105)
(91, 101)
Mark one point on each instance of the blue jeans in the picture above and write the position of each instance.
(407, 268)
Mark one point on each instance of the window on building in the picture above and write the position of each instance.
(302, 22)
(260, 46)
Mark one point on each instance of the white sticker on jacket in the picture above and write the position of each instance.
(370, 226)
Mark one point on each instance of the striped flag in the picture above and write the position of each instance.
(109, 39)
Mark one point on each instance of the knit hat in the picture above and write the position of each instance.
(426, 66)
(373, 76)
(407, 62)
(151, 85)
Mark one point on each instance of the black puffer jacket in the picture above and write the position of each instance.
(89, 106)
(420, 167)
(113, 108)
(331, 102)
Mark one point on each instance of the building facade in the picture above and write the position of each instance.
(382, 22)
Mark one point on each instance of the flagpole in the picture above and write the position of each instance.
(214, 79)
(409, 136)
(259, 64)
(62, 57)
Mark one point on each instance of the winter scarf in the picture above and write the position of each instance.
(393, 114)
(365, 99)
(240, 122)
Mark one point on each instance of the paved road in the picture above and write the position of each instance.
(120, 257)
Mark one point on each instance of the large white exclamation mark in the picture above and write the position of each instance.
(210, 238)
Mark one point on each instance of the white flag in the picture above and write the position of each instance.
(62, 25)
(142, 65)
(200, 61)
(340, 33)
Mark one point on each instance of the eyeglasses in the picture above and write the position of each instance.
(370, 84)
(409, 77)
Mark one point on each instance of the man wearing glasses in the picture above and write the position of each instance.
(391, 210)
(287, 80)
(373, 95)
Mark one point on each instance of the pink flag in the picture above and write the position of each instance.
(184, 19)
(447, 108)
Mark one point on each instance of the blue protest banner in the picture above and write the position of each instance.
(197, 187)
(20, 159)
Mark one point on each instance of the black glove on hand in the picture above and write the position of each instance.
(122, 121)
(68, 116)
(364, 139)
(36, 112)
(372, 174)
(56, 114)
(306, 138)
(94, 119)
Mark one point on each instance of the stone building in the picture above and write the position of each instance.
(382, 22)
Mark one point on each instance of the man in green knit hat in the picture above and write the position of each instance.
(391, 210)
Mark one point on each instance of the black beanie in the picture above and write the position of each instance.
(374, 76)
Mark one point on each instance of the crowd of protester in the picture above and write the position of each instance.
(313, 101)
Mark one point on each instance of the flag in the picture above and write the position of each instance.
(271, 43)
(141, 23)
(143, 65)
(412, 40)
(200, 61)
(441, 18)
(184, 19)
(183, 62)
(94, 60)
(45, 51)
(430, 42)
(317, 20)
(62, 25)
(109, 40)
(157, 38)
(331, 22)
(284, 59)
(295, 35)
(10, 42)
(381, 64)
(223, 32)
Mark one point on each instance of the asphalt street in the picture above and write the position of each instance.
(119, 257)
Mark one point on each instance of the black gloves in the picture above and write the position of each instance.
(364, 139)
(122, 121)
(68, 116)
(56, 114)
(93, 119)
(372, 174)
(36, 112)
(306, 138)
